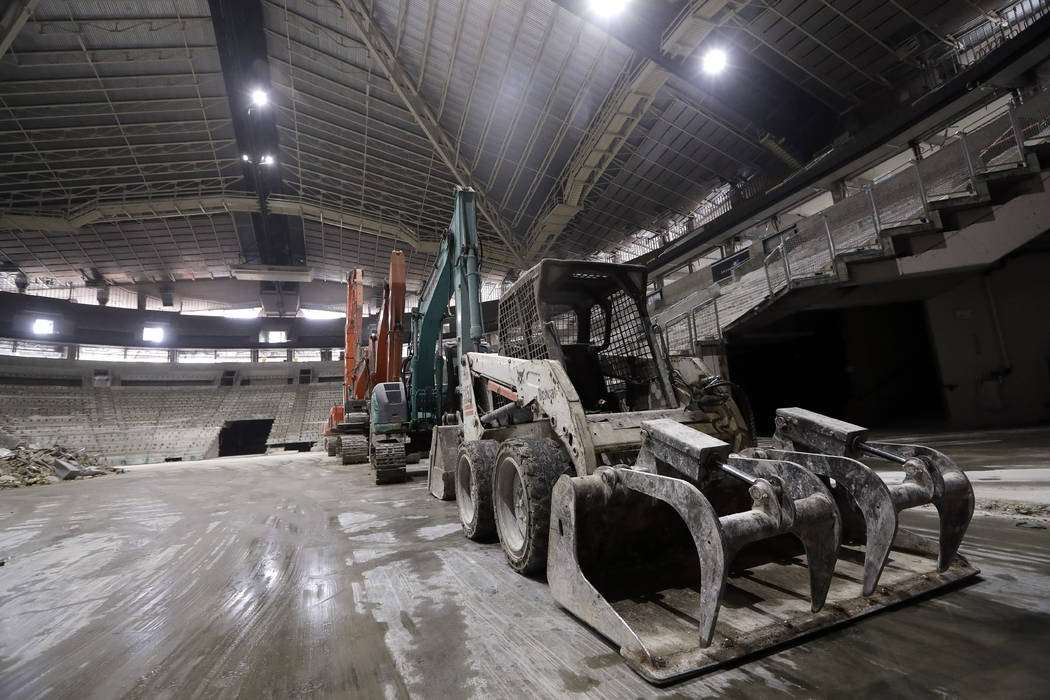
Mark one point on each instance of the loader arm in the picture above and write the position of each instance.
(542, 384)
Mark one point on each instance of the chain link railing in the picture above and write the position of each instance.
(778, 274)
(679, 335)
(1033, 117)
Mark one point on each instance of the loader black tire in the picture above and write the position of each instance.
(474, 488)
(522, 481)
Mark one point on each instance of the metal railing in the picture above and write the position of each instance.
(970, 46)
(902, 201)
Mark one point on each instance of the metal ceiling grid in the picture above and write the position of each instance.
(676, 156)
(84, 119)
(344, 249)
(817, 44)
(121, 102)
(347, 141)
(515, 84)
(195, 247)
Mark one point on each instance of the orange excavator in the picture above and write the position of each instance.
(346, 431)
(372, 422)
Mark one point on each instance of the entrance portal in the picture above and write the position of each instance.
(244, 437)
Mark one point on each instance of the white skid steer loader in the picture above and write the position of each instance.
(631, 477)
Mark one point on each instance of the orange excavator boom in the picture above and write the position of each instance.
(355, 366)
(385, 346)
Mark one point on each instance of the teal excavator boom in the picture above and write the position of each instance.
(456, 275)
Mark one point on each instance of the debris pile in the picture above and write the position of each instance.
(28, 465)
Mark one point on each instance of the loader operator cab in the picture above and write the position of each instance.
(591, 317)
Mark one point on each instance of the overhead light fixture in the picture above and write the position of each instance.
(43, 326)
(259, 97)
(250, 312)
(608, 8)
(714, 61)
(320, 314)
(153, 334)
(272, 273)
(267, 159)
(245, 158)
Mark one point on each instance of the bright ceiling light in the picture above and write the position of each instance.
(608, 8)
(244, 157)
(259, 97)
(153, 334)
(714, 61)
(320, 314)
(251, 312)
(266, 159)
(43, 326)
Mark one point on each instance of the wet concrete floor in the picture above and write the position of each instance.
(292, 576)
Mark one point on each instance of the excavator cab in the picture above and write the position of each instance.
(589, 316)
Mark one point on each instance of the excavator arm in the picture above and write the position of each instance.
(455, 275)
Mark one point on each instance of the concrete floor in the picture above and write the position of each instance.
(293, 576)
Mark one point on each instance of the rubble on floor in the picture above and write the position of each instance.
(29, 465)
(1036, 512)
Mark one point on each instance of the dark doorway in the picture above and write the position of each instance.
(244, 437)
(872, 365)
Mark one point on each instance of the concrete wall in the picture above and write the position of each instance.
(978, 390)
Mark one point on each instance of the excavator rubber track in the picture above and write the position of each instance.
(388, 462)
(354, 449)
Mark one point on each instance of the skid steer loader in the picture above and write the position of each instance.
(631, 477)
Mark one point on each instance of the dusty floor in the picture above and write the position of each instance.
(293, 576)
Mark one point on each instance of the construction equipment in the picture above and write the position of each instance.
(371, 423)
(388, 401)
(631, 476)
(345, 432)
(431, 372)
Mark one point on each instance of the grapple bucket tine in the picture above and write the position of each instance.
(817, 521)
(821, 554)
(930, 476)
(955, 510)
(868, 492)
(569, 586)
(702, 521)
(953, 497)
(628, 545)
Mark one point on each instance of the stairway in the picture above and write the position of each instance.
(288, 424)
(930, 215)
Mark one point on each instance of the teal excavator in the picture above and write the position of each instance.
(430, 371)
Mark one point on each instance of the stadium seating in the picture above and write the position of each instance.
(137, 424)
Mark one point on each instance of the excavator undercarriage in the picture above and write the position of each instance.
(370, 426)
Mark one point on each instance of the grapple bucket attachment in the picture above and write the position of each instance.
(930, 477)
(694, 558)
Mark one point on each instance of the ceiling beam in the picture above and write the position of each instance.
(180, 207)
(12, 21)
(240, 36)
(616, 120)
(358, 14)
